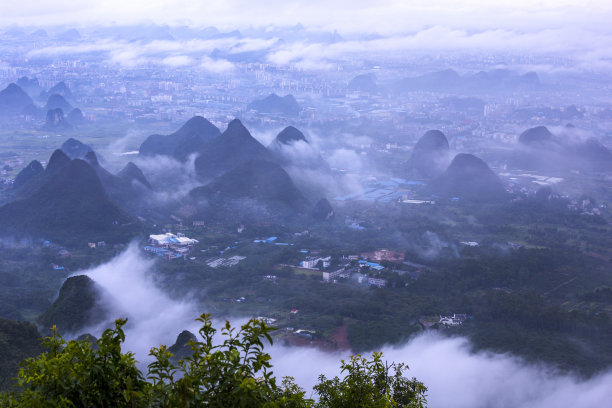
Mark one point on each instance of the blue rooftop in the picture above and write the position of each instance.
(372, 265)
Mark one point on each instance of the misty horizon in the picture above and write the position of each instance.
(427, 179)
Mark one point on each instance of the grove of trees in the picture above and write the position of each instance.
(235, 372)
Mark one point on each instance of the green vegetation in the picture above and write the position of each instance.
(234, 373)
(535, 286)
(18, 341)
(29, 284)
(51, 211)
(76, 306)
(368, 384)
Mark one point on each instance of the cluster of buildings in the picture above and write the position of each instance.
(360, 268)
(170, 246)
(313, 262)
(453, 320)
(354, 273)
(364, 273)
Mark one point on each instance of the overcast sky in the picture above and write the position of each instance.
(383, 16)
(581, 30)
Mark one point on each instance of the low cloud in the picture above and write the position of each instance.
(578, 42)
(177, 61)
(454, 374)
(130, 143)
(131, 54)
(569, 135)
(345, 159)
(309, 164)
(430, 247)
(458, 377)
(585, 41)
(153, 317)
(171, 179)
(217, 66)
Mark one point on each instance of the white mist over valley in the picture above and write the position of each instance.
(455, 375)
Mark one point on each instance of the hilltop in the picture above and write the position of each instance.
(471, 179)
(538, 134)
(75, 149)
(13, 100)
(51, 211)
(57, 101)
(232, 148)
(274, 104)
(55, 121)
(430, 154)
(363, 83)
(76, 307)
(263, 181)
(288, 136)
(132, 173)
(27, 173)
(190, 138)
(120, 188)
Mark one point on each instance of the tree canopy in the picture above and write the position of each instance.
(236, 372)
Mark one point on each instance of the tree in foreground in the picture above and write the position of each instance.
(370, 384)
(234, 373)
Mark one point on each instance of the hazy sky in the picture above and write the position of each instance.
(580, 31)
(384, 16)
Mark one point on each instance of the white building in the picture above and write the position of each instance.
(311, 262)
(169, 239)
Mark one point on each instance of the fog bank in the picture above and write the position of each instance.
(153, 317)
(455, 376)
